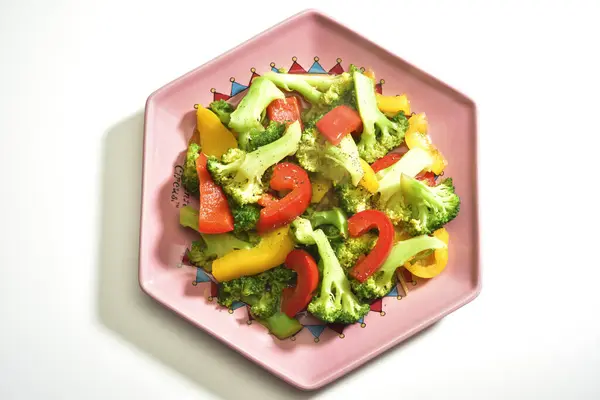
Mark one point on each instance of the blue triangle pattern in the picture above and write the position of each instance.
(316, 330)
(237, 88)
(316, 69)
(237, 304)
(361, 320)
(201, 275)
(393, 292)
(274, 69)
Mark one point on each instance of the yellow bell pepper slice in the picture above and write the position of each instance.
(269, 253)
(417, 137)
(392, 105)
(369, 180)
(320, 187)
(435, 263)
(215, 138)
(370, 73)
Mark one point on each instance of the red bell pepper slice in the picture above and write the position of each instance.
(296, 299)
(215, 215)
(277, 213)
(339, 122)
(363, 222)
(392, 158)
(285, 110)
(386, 161)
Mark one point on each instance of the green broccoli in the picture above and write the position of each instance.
(351, 249)
(422, 209)
(411, 163)
(334, 218)
(245, 217)
(262, 292)
(189, 178)
(334, 301)
(316, 88)
(255, 138)
(383, 280)
(210, 247)
(380, 134)
(240, 173)
(223, 110)
(249, 113)
(317, 154)
(353, 199)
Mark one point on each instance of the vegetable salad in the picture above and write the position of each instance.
(313, 191)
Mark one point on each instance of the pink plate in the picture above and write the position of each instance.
(315, 43)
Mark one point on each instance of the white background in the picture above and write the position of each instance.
(74, 76)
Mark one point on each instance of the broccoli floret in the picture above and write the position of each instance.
(423, 209)
(210, 247)
(383, 280)
(245, 216)
(380, 135)
(351, 249)
(334, 301)
(318, 89)
(249, 113)
(353, 199)
(317, 154)
(189, 178)
(262, 292)
(240, 173)
(255, 138)
(223, 110)
(334, 219)
(411, 163)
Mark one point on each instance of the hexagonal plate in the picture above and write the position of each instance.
(318, 354)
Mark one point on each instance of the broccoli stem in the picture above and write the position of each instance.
(404, 251)
(413, 162)
(188, 217)
(310, 86)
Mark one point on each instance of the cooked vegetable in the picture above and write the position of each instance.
(369, 180)
(339, 122)
(210, 247)
(315, 154)
(189, 178)
(334, 217)
(240, 173)
(285, 110)
(392, 105)
(245, 217)
(215, 138)
(320, 187)
(269, 253)
(383, 280)
(422, 209)
(334, 301)
(223, 110)
(417, 137)
(249, 113)
(350, 250)
(296, 299)
(286, 176)
(380, 134)
(214, 215)
(413, 162)
(255, 138)
(353, 199)
(317, 88)
(430, 265)
(362, 223)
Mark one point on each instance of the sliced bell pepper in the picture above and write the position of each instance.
(286, 176)
(392, 158)
(433, 264)
(338, 123)
(392, 105)
(270, 252)
(363, 222)
(215, 215)
(386, 161)
(267, 199)
(417, 137)
(215, 138)
(296, 299)
(369, 180)
(285, 110)
(320, 187)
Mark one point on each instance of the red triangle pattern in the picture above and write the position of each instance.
(220, 96)
(254, 75)
(379, 88)
(296, 69)
(336, 69)
(377, 305)
(214, 289)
